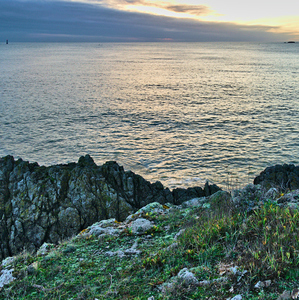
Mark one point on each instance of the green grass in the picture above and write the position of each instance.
(263, 243)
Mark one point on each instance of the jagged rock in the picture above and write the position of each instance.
(181, 195)
(41, 204)
(284, 177)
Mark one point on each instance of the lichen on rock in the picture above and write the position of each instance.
(41, 204)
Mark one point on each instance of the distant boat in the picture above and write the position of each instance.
(291, 42)
(6, 42)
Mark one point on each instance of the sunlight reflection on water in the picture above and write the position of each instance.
(178, 113)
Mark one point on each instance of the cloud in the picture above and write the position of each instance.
(197, 10)
(45, 20)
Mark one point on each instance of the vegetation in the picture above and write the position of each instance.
(228, 250)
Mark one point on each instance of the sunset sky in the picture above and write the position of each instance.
(149, 20)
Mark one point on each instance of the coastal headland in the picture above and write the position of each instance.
(48, 204)
(82, 231)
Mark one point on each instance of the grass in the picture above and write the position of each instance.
(263, 244)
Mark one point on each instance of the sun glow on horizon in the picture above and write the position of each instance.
(277, 16)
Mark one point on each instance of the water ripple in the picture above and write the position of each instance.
(178, 113)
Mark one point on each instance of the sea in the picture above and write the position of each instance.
(180, 113)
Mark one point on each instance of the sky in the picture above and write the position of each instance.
(149, 20)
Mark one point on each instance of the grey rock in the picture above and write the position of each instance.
(8, 261)
(181, 195)
(44, 249)
(172, 246)
(151, 208)
(237, 297)
(41, 204)
(179, 234)
(262, 284)
(283, 177)
(133, 250)
(118, 253)
(272, 194)
(290, 199)
(106, 223)
(69, 220)
(285, 295)
(204, 282)
(97, 230)
(184, 277)
(141, 226)
(130, 251)
(188, 277)
(6, 277)
(194, 202)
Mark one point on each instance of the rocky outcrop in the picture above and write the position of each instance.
(48, 204)
(284, 177)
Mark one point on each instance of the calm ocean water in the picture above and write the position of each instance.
(178, 113)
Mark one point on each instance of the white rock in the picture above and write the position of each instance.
(141, 226)
(262, 284)
(234, 270)
(179, 233)
(204, 282)
(151, 207)
(7, 261)
(44, 249)
(6, 277)
(133, 250)
(188, 277)
(272, 194)
(119, 253)
(97, 230)
(107, 222)
(238, 297)
(194, 202)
